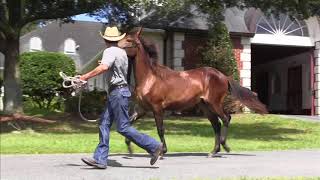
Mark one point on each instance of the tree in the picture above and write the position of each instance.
(14, 15)
(218, 52)
(40, 75)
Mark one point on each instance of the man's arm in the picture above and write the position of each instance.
(98, 70)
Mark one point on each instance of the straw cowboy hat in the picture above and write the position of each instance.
(112, 34)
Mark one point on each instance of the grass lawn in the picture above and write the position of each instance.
(248, 132)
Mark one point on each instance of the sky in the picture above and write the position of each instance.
(84, 17)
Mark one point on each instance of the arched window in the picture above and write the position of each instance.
(69, 46)
(281, 25)
(35, 44)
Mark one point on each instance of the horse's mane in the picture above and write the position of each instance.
(161, 70)
(151, 49)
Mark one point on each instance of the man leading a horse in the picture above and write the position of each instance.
(115, 64)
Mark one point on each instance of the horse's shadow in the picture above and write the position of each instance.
(129, 156)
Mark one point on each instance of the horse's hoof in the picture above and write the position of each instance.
(226, 148)
(130, 151)
(213, 155)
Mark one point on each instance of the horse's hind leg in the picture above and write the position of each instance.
(216, 125)
(226, 118)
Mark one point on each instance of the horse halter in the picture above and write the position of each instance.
(133, 42)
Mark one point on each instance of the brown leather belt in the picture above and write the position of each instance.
(116, 87)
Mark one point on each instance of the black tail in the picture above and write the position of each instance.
(246, 97)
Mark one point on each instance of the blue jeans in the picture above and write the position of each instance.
(117, 111)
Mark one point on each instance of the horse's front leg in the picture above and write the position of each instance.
(158, 116)
(226, 121)
(216, 125)
(135, 115)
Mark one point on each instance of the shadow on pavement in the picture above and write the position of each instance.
(130, 156)
(111, 163)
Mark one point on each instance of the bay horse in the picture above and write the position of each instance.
(159, 88)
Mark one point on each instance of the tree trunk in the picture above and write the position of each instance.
(21, 117)
(12, 82)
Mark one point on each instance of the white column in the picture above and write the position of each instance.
(245, 65)
(317, 78)
(2, 77)
(245, 61)
(178, 51)
(1, 98)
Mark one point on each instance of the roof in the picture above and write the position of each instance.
(196, 20)
(84, 33)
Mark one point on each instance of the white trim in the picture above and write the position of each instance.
(282, 40)
(317, 78)
(279, 26)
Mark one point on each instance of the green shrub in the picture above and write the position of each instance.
(92, 103)
(40, 75)
(218, 53)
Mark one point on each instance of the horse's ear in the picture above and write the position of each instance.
(139, 31)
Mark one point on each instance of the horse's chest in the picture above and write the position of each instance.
(140, 94)
(147, 97)
(145, 89)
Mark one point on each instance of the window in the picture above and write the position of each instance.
(281, 25)
(69, 46)
(35, 44)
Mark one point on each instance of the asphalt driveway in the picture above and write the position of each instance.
(178, 166)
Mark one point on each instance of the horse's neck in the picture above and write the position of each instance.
(142, 67)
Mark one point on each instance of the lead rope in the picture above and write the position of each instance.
(77, 84)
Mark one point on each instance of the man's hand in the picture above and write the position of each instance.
(83, 78)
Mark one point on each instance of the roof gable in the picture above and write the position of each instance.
(84, 33)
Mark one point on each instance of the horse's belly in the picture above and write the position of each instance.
(181, 103)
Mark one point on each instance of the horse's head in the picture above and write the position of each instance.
(131, 43)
